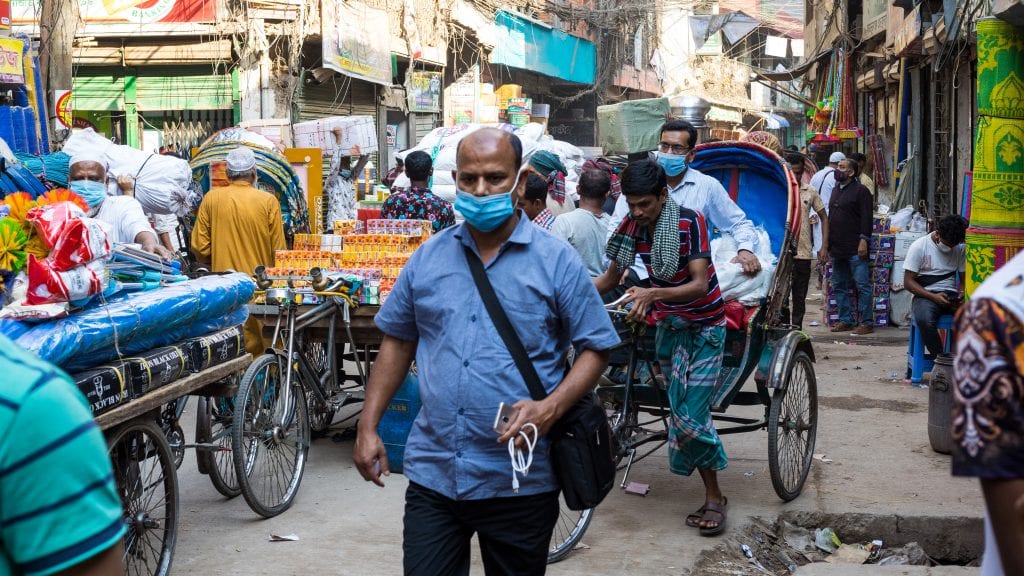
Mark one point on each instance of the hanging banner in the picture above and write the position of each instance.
(121, 11)
(356, 41)
(12, 67)
(425, 92)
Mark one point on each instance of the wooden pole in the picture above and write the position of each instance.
(58, 23)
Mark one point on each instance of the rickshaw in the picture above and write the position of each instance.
(758, 342)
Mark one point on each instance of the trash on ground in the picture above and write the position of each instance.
(815, 323)
(825, 539)
(796, 537)
(286, 538)
(909, 555)
(638, 488)
(849, 554)
(748, 474)
(823, 459)
(581, 546)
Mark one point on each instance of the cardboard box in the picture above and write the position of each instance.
(156, 368)
(880, 275)
(903, 241)
(104, 387)
(277, 130)
(880, 289)
(214, 349)
(881, 223)
(882, 259)
(358, 135)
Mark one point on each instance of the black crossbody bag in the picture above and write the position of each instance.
(581, 442)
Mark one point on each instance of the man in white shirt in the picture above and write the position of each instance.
(586, 228)
(824, 181)
(691, 189)
(125, 221)
(931, 271)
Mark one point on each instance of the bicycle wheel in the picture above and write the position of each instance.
(623, 420)
(792, 428)
(269, 439)
(321, 414)
(213, 427)
(569, 530)
(148, 485)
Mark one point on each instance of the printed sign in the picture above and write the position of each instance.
(356, 41)
(425, 92)
(119, 11)
(5, 14)
(392, 132)
(62, 108)
(12, 66)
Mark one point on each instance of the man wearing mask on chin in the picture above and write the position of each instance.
(691, 189)
(459, 469)
(125, 221)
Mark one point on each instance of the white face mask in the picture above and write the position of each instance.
(942, 245)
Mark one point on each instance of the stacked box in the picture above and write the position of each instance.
(104, 387)
(881, 224)
(156, 368)
(214, 349)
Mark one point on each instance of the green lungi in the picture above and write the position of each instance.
(691, 357)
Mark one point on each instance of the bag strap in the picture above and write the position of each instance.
(926, 280)
(505, 329)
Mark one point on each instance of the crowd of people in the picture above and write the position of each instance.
(642, 232)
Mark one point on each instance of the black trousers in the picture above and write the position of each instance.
(514, 533)
(926, 317)
(801, 279)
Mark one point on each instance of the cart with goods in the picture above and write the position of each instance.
(137, 338)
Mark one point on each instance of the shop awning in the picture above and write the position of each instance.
(719, 114)
(735, 26)
(773, 121)
(529, 45)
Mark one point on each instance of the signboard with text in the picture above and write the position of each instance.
(62, 105)
(425, 92)
(12, 66)
(122, 11)
(875, 14)
(5, 14)
(356, 41)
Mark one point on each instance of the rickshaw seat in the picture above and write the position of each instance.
(737, 316)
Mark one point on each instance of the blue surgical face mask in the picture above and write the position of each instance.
(94, 193)
(486, 213)
(674, 164)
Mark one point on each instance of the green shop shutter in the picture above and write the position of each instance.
(98, 89)
(182, 88)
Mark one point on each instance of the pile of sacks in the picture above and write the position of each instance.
(441, 144)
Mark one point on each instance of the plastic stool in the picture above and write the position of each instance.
(917, 364)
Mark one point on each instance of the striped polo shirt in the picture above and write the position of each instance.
(693, 244)
(58, 500)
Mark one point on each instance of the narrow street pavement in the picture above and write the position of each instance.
(876, 477)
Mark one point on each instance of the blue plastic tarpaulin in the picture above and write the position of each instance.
(134, 322)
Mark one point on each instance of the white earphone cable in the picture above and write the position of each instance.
(521, 464)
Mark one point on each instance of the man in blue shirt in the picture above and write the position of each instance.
(459, 470)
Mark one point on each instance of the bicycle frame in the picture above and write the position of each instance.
(328, 309)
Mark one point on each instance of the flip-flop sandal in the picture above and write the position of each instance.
(716, 509)
(693, 520)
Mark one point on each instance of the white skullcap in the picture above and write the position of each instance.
(836, 158)
(241, 159)
(89, 156)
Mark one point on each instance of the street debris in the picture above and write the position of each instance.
(638, 488)
(823, 459)
(748, 474)
(286, 538)
(848, 554)
(826, 540)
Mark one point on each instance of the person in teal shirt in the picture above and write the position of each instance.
(59, 508)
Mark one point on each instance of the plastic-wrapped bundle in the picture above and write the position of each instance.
(52, 168)
(97, 331)
(13, 328)
(17, 178)
(31, 129)
(161, 338)
(20, 132)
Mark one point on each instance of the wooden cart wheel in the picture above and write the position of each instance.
(792, 427)
(147, 482)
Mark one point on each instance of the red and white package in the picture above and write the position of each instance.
(46, 285)
(51, 219)
(81, 241)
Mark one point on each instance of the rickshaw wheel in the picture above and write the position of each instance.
(569, 530)
(321, 415)
(147, 483)
(792, 428)
(213, 426)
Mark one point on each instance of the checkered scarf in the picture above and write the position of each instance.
(612, 173)
(664, 250)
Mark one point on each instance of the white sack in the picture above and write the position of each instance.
(161, 182)
(735, 285)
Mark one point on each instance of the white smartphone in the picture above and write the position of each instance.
(504, 417)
